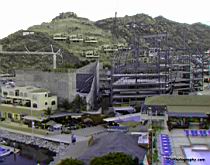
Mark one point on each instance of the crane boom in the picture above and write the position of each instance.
(54, 54)
(25, 53)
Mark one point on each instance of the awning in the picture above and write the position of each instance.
(128, 109)
(73, 115)
(51, 123)
(56, 126)
(181, 114)
(32, 118)
(86, 120)
(129, 119)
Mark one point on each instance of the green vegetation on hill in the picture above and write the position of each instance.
(37, 42)
(196, 35)
(68, 24)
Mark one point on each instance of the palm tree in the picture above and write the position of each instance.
(48, 112)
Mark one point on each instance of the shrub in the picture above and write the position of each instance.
(114, 159)
(71, 162)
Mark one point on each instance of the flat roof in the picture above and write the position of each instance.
(32, 118)
(123, 108)
(31, 89)
(39, 90)
(179, 100)
(189, 109)
(73, 115)
(186, 105)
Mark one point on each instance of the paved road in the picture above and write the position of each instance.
(81, 134)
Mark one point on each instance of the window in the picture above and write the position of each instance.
(45, 103)
(21, 94)
(5, 93)
(9, 115)
(25, 95)
(11, 93)
(16, 116)
(16, 92)
(53, 103)
(45, 95)
(34, 97)
(34, 105)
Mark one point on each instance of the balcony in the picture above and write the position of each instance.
(16, 103)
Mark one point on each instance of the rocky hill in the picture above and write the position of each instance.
(128, 27)
(106, 32)
(39, 42)
(70, 25)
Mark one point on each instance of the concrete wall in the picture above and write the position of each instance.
(90, 68)
(61, 84)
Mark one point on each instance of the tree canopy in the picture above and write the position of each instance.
(71, 162)
(117, 158)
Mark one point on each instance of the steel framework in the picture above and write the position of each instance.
(142, 72)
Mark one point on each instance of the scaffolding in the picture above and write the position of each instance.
(142, 72)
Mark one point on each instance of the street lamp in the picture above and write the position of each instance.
(32, 122)
(150, 117)
(150, 129)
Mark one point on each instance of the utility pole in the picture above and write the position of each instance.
(32, 124)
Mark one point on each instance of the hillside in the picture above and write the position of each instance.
(106, 32)
(37, 42)
(69, 24)
(195, 35)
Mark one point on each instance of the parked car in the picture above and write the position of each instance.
(66, 130)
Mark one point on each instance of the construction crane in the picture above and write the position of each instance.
(27, 52)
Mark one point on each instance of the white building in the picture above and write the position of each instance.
(28, 97)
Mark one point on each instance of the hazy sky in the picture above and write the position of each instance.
(21, 14)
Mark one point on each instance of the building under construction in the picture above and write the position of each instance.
(142, 72)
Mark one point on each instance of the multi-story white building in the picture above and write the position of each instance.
(28, 97)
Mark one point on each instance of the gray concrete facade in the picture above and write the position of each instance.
(61, 84)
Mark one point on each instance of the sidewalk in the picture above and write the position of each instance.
(81, 134)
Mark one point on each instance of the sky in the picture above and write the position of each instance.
(21, 14)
